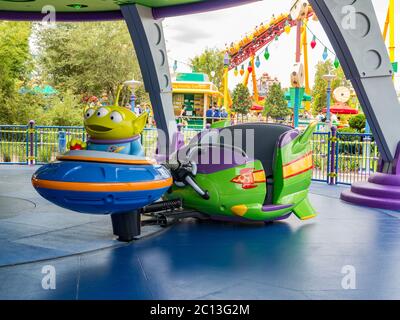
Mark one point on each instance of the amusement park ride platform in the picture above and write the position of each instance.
(213, 260)
(195, 259)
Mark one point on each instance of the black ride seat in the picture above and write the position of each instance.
(266, 136)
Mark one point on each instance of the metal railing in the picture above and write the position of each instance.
(14, 144)
(321, 149)
(339, 158)
(199, 123)
(356, 157)
(51, 140)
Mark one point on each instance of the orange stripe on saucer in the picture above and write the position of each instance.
(107, 160)
(101, 187)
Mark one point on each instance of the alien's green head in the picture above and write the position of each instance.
(113, 123)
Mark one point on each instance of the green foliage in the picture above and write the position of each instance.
(65, 110)
(241, 101)
(81, 59)
(347, 130)
(349, 137)
(349, 164)
(321, 85)
(14, 55)
(358, 122)
(6, 157)
(87, 58)
(44, 155)
(15, 65)
(21, 153)
(275, 105)
(207, 62)
(21, 108)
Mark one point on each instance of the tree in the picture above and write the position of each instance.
(321, 85)
(241, 101)
(358, 122)
(65, 110)
(79, 60)
(14, 54)
(15, 66)
(275, 105)
(22, 108)
(87, 58)
(211, 60)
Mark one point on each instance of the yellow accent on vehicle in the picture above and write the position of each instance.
(309, 217)
(239, 210)
(298, 166)
(259, 176)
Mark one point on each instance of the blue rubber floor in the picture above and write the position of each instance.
(196, 260)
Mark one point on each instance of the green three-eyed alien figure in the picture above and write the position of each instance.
(112, 129)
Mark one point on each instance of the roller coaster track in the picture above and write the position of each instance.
(263, 36)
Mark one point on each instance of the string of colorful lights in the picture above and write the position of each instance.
(325, 54)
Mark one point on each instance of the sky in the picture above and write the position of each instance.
(188, 36)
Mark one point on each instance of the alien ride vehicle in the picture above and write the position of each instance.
(214, 175)
(268, 186)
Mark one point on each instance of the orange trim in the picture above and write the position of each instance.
(101, 187)
(300, 172)
(298, 159)
(308, 217)
(259, 176)
(298, 166)
(107, 160)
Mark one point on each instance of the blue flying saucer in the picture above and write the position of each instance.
(101, 182)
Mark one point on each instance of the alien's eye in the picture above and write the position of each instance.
(116, 116)
(89, 113)
(102, 112)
